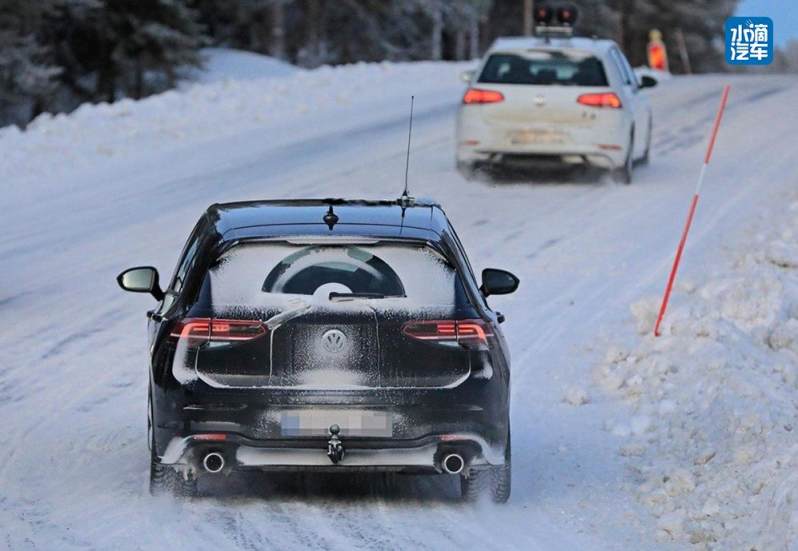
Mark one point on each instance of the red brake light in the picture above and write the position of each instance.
(211, 329)
(463, 332)
(606, 99)
(471, 331)
(475, 95)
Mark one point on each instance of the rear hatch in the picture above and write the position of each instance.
(329, 317)
(541, 90)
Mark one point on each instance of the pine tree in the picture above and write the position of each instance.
(27, 77)
(112, 48)
(156, 38)
(463, 21)
(787, 58)
(141, 45)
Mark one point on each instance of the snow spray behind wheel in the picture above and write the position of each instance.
(691, 213)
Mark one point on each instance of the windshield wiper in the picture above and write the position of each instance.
(345, 296)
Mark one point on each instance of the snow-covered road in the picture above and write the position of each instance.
(109, 187)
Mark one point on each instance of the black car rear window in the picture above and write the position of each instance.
(355, 268)
(258, 274)
(545, 67)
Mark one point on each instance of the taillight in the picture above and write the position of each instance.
(475, 95)
(212, 329)
(463, 332)
(605, 99)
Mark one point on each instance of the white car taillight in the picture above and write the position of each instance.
(604, 99)
(476, 95)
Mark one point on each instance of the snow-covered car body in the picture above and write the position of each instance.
(327, 334)
(570, 99)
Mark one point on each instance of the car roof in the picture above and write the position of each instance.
(420, 219)
(509, 43)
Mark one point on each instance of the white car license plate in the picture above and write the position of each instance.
(536, 136)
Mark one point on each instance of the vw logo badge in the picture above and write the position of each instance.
(333, 341)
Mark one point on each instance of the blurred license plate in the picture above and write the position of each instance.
(536, 136)
(316, 422)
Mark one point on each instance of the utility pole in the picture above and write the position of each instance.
(278, 30)
(683, 51)
(528, 7)
(473, 32)
(437, 31)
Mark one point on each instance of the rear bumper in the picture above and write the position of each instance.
(380, 429)
(602, 141)
(423, 455)
(572, 155)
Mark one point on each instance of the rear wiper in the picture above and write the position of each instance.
(346, 296)
(298, 308)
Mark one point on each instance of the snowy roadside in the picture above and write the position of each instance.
(228, 65)
(218, 105)
(713, 401)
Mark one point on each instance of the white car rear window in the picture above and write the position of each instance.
(544, 67)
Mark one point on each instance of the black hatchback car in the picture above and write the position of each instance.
(327, 335)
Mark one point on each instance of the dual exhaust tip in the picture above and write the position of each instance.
(213, 462)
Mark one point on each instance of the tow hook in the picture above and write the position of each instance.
(335, 448)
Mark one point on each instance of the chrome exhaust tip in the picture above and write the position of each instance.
(213, 462)
(453, 463)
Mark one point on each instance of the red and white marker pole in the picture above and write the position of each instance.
(691, 212)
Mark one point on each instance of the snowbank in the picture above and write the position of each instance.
(225, 64)
(199, 113)
(712, 433)
(660, 76)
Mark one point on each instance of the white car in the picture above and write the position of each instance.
(571, 100)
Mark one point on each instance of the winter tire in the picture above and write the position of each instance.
(494, 481)
(623, 175)
(466, 170)
(165, 479)
(644, 160)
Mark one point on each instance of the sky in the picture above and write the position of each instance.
(784, 14)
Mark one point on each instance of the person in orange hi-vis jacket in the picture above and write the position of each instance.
(657, 53)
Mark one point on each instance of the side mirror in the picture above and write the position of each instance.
(142, 279)
(498, 282)
(467, 76)
(647, 81)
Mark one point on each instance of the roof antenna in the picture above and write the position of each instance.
(406, 200)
